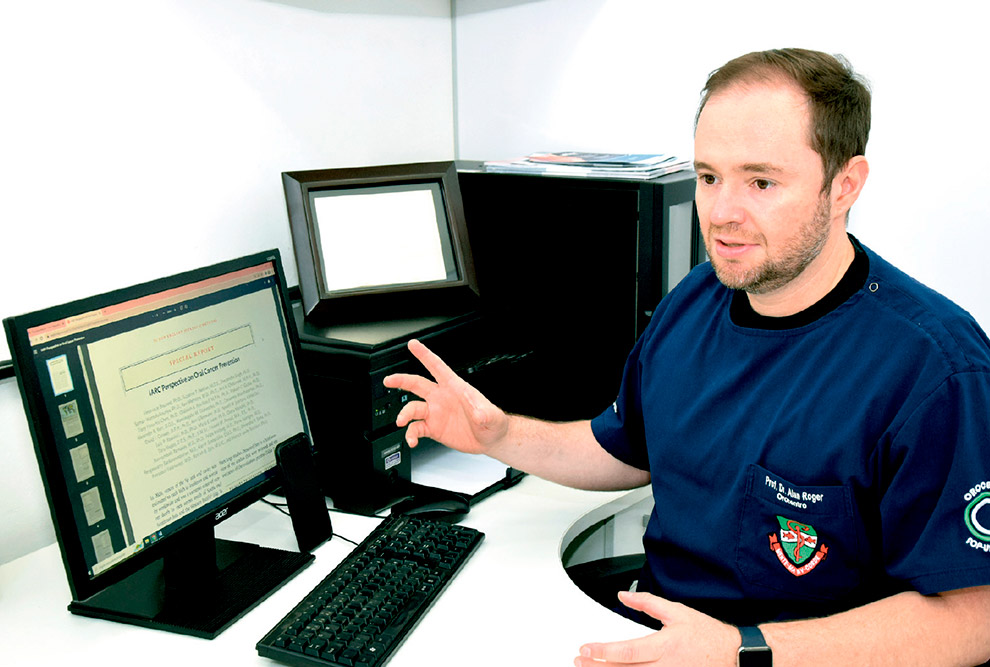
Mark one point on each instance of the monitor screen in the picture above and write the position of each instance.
(381, 236)
(380, 241)
(156, 410)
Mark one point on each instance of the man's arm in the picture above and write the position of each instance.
(951, 628)
(566, 453)
(456, 414)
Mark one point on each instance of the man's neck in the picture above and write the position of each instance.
(817, 280)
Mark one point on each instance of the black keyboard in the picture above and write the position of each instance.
(359, 615)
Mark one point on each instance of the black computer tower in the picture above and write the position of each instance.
(363, 460)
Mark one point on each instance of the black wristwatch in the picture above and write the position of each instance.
(754, 651)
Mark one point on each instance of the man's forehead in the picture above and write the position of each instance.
(757, 127)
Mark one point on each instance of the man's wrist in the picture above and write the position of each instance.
(753, 648)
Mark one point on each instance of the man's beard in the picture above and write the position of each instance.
(793, 259)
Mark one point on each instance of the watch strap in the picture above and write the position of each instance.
(754, 649)
(752, 637)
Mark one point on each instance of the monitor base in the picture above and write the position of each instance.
(204, 606)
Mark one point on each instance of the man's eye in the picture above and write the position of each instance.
(763, 184)
(707, 179)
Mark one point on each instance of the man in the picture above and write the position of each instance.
(815, 424)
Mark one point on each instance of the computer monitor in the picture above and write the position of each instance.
(380, 243)
(155, 412)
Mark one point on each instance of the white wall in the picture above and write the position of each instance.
(625, 75)
(144, 138)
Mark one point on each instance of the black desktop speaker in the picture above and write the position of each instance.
(303, 493)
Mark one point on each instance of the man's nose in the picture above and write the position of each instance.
(725, 207)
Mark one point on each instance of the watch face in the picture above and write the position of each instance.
(755, 657)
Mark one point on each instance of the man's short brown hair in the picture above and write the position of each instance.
(839, 98)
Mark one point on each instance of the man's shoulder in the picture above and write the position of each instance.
(908, 307)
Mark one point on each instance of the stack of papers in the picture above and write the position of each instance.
(591, 165)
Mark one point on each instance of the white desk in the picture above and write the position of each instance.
(511, 604)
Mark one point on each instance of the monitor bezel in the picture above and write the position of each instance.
(45, 440)
(325, 306)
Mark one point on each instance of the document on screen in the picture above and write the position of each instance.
(183, 407)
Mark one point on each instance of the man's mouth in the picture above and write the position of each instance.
(732, 248)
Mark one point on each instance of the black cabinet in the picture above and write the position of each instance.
(569, 271)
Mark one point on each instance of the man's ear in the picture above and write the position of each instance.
(848, 184)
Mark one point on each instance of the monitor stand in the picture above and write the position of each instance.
(200, 587)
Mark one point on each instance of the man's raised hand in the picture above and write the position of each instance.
(450, 411)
